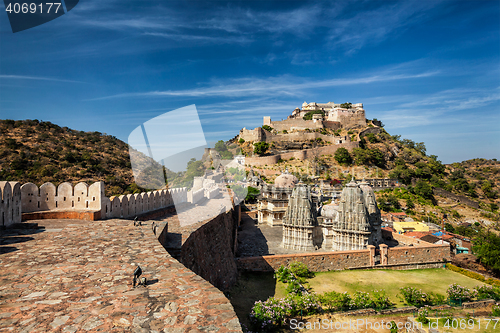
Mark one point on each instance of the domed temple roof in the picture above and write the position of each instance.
(329, 211)
(286, 180)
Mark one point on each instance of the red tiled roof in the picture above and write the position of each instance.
(417, 234)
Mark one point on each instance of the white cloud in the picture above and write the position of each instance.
(272, 86)
(444, 107)
(374, 26)
(38, 78)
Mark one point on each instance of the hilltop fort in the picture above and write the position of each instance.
(314, 129)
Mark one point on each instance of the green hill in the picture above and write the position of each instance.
(39, 152)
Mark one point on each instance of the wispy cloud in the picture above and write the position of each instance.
(376, 25)
(332, 26)
(447, 106)
(237, 20)
(200, 38)
(38, 78)
(282, 85)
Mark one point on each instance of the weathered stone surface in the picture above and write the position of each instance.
(79, 278)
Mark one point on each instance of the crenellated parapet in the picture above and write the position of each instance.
(10, 203)
(29, 198)
(131, 205)
(63, 197)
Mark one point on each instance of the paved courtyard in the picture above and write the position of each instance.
(261, 239)
(76, 276)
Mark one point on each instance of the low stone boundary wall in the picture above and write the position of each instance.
(398, 258)
(362, 312)
(317, 262)
(478, 304)
(407, 309)
(423, 254)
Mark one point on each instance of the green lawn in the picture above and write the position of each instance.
(252, 287)
(434, 280)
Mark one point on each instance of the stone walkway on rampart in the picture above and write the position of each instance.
(180, 224)
(76, 276)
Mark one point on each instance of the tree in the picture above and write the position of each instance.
(260, 147)
(309, 115)
(267, 128)
(410, 204)
(487, 249)
(220, 146)
(252, 193)
(448, 227)
(346, 105)
(241, 141)
(342, 156)
(423, 189)
(372, 138)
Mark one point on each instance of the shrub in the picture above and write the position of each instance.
(413, 296)
(271, 313)
(305, 304)
(422, 315)
(372, 138)
(309, 115)
(360, 300)
(300, 270)
(241, 140)
(294, 287)
(260, 147)
(267, 128)
(335, 301)
(457, 293)
(268, 315)
(486, 292)
(495, 311)
(342, 156)
(380, 300)
(394, 327)
(437, 299)
(465, 272)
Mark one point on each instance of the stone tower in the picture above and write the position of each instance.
(358, 221)
(300, 226)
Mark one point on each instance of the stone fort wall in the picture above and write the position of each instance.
(209, 250)
(258, 134)
(300, 154)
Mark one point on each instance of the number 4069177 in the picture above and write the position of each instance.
(32, 8)
(464, 324)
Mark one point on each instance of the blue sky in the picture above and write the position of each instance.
(428, 69)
